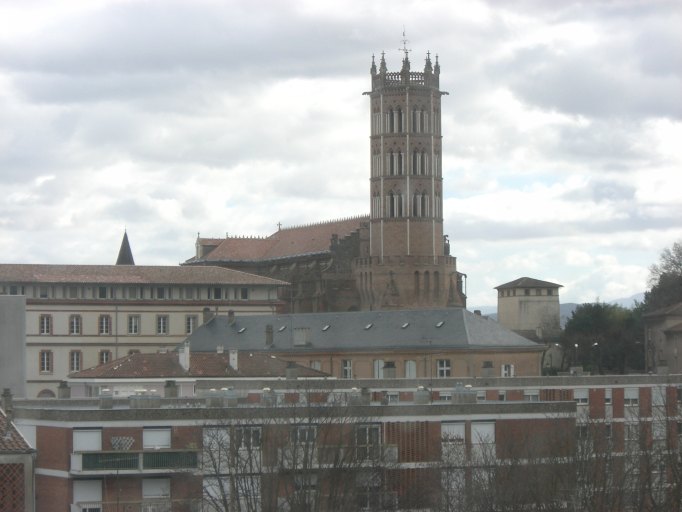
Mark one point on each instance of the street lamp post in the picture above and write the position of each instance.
(576, 354)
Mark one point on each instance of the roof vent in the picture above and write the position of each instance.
(326, 327)
(440, 324)
(241, 330)
(281, 328)
(405, 325)
(368, 326)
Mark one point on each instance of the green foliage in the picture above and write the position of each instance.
(665, 279)
(608, 338)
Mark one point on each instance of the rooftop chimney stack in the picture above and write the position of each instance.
(234, 358)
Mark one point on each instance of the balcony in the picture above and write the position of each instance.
(149, 505)
(158, 461)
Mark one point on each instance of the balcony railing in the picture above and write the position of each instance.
(130, 462)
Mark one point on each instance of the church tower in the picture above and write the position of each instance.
(409, 265)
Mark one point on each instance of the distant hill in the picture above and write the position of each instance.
(565, 309)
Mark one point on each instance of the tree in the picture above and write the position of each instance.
(604, 338)
(307, 451)
(665, 279)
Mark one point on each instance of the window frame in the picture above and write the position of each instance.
(75, 360)
(77, 322)
(346, 368)
(162, 325)
(134, 322)
(104, 325)
(45, 362)
(191, 323)
(45, 325)
(443, 368)
(104, 356)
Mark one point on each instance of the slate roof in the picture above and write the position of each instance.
(129, 274)
(528, 282)
(201, 365)
(11, 441)
(125, 254)
(284, 243)
(452, 328)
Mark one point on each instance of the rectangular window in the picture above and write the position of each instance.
(483, 440)
(367, 442)
(581, 396)
(14, 290)
(608, 396)
(133, 324)
(191, 322)
(507, 370)
(347, 369)
(444, 368)
(189, 293)
(445, 396)
(160, 293)
(244, 293)
(75, 325)
(75, 358)
(217, 293)
(162, 324)
(303, 434)
(87, 440)
(104, 325)
(102, 292)
(631, 397)
(45, 324)
(246, 438)
(452, 432)
(43, 292)
(156, 438)
(156, 488)
(316, 365)
(132, 292)
(378, 368)
(410, 369)
(45, 361)
(531, 395)
(73, 292)
(104, 356)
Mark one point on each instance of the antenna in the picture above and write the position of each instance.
(404, 40)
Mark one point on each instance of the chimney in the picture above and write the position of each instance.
(230, 317)
(220, 349)
(268, 335)
(184, 356)
(7, 404)
(207, 315)
(234, 358)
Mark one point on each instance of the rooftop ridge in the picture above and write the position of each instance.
(326, 222)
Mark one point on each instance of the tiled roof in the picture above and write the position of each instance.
(202, 365)
(674, 310)
(11, 441)
(452, 328)
(528, 282)
(129, 274)
(287, 242)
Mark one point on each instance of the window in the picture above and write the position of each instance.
(191, 322)
(104, 356)
(75, 325)
(45, 361)
(483, 440)
(367, 442)
(410, 369)
(104, 325)
(378, 367)
(102, 292)
(156, 438)
(244, 293)
(133, 292)
(445, 396)
(14, 290)
(316, 365)
(162, 324)
(507, 370)
(87, 440)
(189, 293)
(444, 368)
(133, 324)
(581, 396)
(526, 291)
(43, 292)
(303, 434)
(531, 395)
(246, 438)
(217, 293)
(75, 359)
(347, 369)
(72, 292)
(160, 292)
(550, 291)
(452, 432)
(45, 324)
(631, 397)
(155, 488)
(608, 396)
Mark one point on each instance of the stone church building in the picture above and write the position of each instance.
(395, 258)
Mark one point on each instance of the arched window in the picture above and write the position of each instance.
(424, 205)
(400, 166)
(390, 205)
(399, 205)
(427, 283)
(416, 199)
(436, 284)
(399, 121)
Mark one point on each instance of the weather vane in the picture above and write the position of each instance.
(404, 40)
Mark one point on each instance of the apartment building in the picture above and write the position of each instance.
(78, 316)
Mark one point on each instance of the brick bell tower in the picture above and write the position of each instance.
(409, 265)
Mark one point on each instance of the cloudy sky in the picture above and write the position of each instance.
(562, 128)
